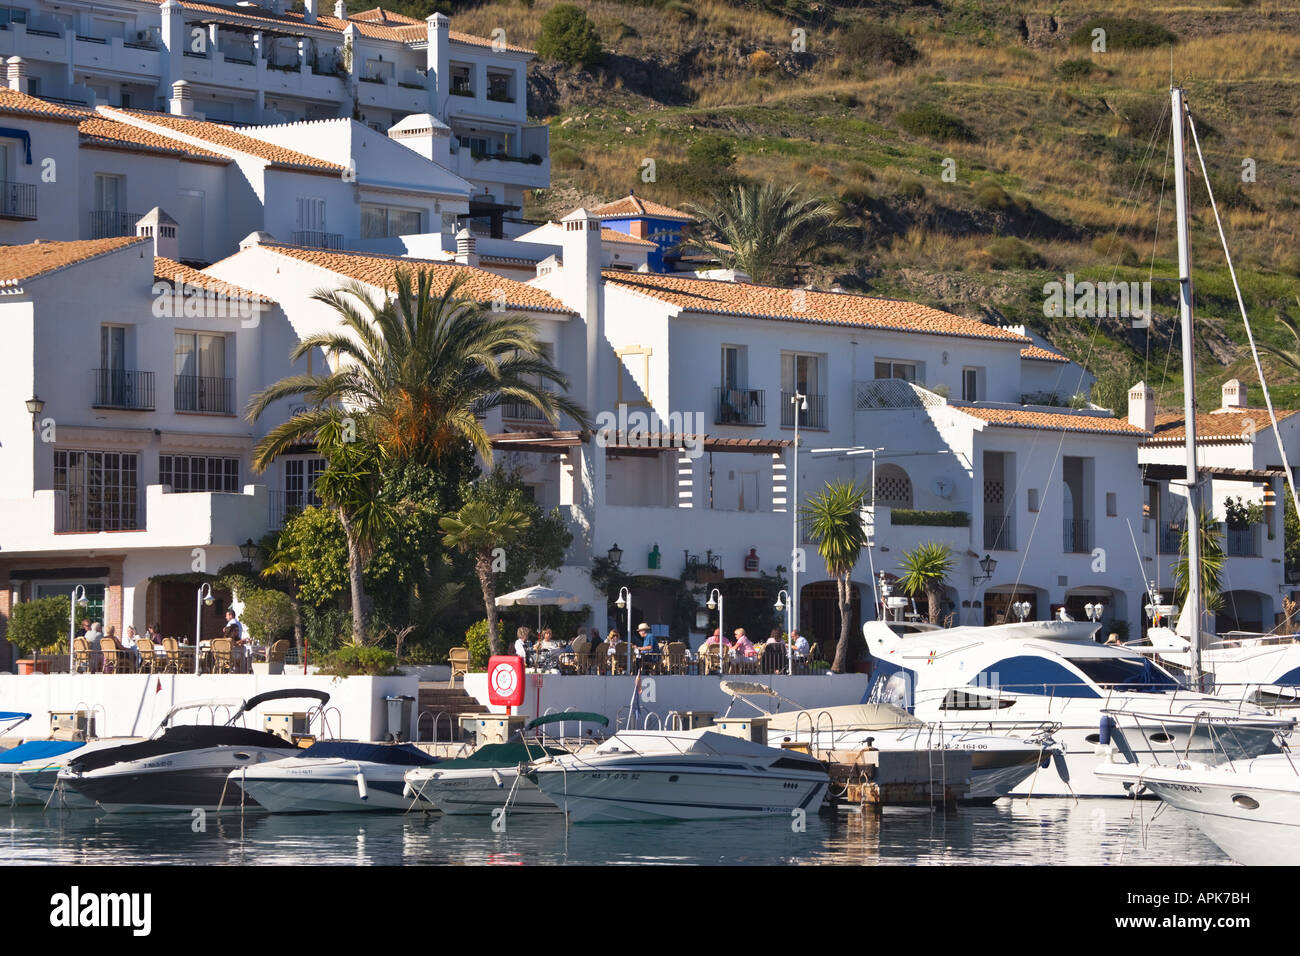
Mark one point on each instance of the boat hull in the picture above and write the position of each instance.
(326, 789)
(176, 782)
(476, 792)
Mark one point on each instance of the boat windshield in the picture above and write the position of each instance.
(1129, 673)
(892, 685)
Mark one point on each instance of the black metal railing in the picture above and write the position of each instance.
(1171, 538)
(317, 239)
(119, 388)
(1243, 542)
(739, 406)
(109, 223)
(1075, 536)
(107, 509)
(522, 411)
(814, 416)
(285, 504)
(997, 533)
(203, 393)
(17, 200)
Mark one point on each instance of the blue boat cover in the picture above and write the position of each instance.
(40, 750)
(400, 754)
(13, 715)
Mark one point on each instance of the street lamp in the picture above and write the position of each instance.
(1021, 609)
(204, 597)
(78, 599)
(789, 630)
(35, 406)
(987, 564)
(616, 554)
(248, 551)
(717, 604)
(1094, 611)
(800, 401)
(625, 601)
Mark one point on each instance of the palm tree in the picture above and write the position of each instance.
(479, 527)
(925, 569)
(765, 231)
(1212, 562)
(835, 522)
(420, 366)
(1290, 357)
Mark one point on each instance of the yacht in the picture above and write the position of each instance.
(1021, 678)
(658, 775)
(333, 776)
(183, 767)
(1244, 665)
(489, 778)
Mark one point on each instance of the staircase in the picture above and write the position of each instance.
(438, 698)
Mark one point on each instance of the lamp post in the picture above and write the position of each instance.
(248, 551)
(800, 401)
(789, 629)
(35, 406)
(625, 601)
(1021, 609)
(204, 597)
(987, 564)
(78, 599)
(718, 604)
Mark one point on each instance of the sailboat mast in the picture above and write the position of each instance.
(1177, 108)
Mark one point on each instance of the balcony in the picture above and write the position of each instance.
(201, 393)
(116, 511)
(812, 417)
(1075, 539)
(739, 406)
(110, 224)
(997, 533)
(522, 411)
(17, 200)
(1170, 537)
(318, 240)
(285, 504)
(118, 388)
(1244, 542)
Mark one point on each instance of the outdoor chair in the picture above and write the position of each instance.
(276, 653)
(459, 660)
(222, 650)
(116, 660)
(599, 659)
(674, 661)
(172, 648)
(81, 654)
(773, 659)
(711, 659)
(147, 655)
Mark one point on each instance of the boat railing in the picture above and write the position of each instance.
(674, 721)
(830, 723)
(645, 723)
(323, 715)
(812, 730)
(435, 720)
(90, 711)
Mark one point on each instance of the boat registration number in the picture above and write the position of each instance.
(1185, 787)
(614, 775)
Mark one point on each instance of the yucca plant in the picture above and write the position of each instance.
(477, 528)
(925, 571)
(1212, 563)
(834, 520)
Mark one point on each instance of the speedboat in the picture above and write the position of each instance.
(9, 719)
(1017, 679)
(334, 776)
(183, 767)
(998, 763)
(659, 775)
(489, 778)
(29, 773)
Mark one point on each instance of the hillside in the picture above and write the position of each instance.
(1060, 153)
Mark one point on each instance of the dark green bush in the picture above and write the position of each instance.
(476, 642)
(1124, 33)
(867, 42)
(1075, 69)
(930, 121)
(935, 519)
(911, 189)
(353, 661)
(569, 36)
(41, 624)
(567, 158)
(1011, 253)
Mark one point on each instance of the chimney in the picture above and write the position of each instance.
(581, 288)
(163, 230)
(309, 10)
(1142, 407)
(465, 246)
(182, 101)
(17, 74)
(425, 134)
(1234, 393)
(437, 61)
(340, 10)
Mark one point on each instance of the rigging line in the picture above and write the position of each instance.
(1250, 335)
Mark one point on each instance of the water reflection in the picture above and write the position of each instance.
(1024, 832)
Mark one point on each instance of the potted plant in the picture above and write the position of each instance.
(35, 626)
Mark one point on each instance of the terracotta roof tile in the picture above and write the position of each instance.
(805, 305)
(1216, 426)
(613, 235)
(20, 263)
(20, 104)
(224, 136)
(633, 205)
(378, 271)
(99, 131)
(169, 270)
(1042, 354)
(1052, 421)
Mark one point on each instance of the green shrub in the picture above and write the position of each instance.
(930, 121)
(1124, 33)
(268, 614)
(934, 519)
(911, 189)
(567, 158)
(1115, 250)
(569, 36)
(1011, 253)
(867, 42)
(353, 661)
(994, 198)
(711, 152)
(40, 625)
(1075, 69)
(476, 640)
(679, 10)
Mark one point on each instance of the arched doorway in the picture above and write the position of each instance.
(1113, 616)
(819, 616)
(998, 601)
(1244, 611)
(893, 487)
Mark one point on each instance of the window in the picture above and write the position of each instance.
(187, 473)
(1131, 673)
(1033, 499)
(460, 80)
(110, 191)
(801, 375)
(311, 214)
(96, 490)
(733, 367)
(970, 384)
(112, 347)
(380, 222)
(300, 476)
(887, 368)
(125, 100)
(500, 87)
(478, 145)
(1112, 507)
(94, 608)
(201, 383)
(1032, 675)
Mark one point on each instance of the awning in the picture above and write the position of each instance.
(659, 442)
(1179, 472)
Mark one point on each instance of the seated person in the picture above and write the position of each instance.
(522, 636)
(744, 647)
(611, 642)
(801, 645)
(649, 643)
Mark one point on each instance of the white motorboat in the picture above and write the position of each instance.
(334, 776)
(489, 778)
(181, 768)
(1245, 665)
(29, 773)
(1017, 679)
(998, 763)
(657, 775)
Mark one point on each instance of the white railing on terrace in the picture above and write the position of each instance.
(894, 393)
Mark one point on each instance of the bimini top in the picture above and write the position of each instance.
(397, 754)
(582, 716)
(178, 740)
(40, 750)
(14, 715)
(500, 755)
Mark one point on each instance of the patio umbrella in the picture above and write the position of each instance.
(538, 596)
